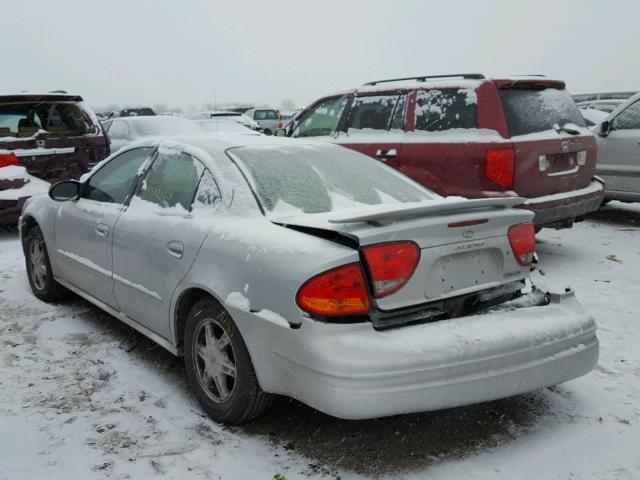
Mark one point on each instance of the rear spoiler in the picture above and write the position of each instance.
(528, 84)
(437, 208)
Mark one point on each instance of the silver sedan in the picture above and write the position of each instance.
(307, 270)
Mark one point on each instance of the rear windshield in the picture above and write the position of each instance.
(438, 110)
(265, 115)
(60, 119)
(530, 111)
(289, 180)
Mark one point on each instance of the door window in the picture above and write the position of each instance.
(208, 194)
(373, 112)
(397, 122)
(322, 119)
(112, 183)
(172, 180)
(629, 119)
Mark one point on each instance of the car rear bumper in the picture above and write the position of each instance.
(354, 372)
(562, 209)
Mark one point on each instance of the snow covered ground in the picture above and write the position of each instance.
(76, 404)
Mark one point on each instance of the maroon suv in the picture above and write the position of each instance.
(44, 138)
(470, 136)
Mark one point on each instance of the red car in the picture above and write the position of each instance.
(44, 138)
(466, 135)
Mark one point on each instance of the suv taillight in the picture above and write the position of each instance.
(341, 291)
(499, 166)
(522, 238)
(9, 159)
(391, 265)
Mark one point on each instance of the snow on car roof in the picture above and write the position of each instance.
(451, 82)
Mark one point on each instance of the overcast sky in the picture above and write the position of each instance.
(192, 52)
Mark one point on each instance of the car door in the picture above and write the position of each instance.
(84, 228)
(375, 125)
(619, 152)
(155, 241)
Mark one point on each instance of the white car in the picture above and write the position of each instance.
(593, 117)
(225, 124)
(224, 116)
(618, 164)
(125, 130)
(268, 119)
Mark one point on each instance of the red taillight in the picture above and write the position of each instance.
(8, 159)
(281, 125)
(499, 166)
(391, 265)
(341, 291)
(522, 238)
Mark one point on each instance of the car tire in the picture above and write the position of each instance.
(267, 131)
(212, 360)
(39, 271)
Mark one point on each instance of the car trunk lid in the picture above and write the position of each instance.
(463, 243)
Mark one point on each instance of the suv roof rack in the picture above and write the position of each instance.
(424, 78)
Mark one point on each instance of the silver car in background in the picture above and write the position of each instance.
(618, 138)
(307, 270)
(123, 131)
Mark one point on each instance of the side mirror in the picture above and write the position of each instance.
(281, 132)
(605, 128)
(65, 190)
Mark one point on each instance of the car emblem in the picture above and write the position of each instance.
(565, 147)
(40, 143)
(467, 234)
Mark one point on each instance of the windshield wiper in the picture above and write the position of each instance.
(569, 128)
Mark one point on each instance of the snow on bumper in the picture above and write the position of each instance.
(354, 372)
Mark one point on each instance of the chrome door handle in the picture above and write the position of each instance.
(391, 153)
(176, 249)
(102, 230)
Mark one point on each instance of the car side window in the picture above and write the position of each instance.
(322, 119)
(112, 183)
(208, 194)
(172, 180)
(438, 110)
(371, 112)
(629, 119)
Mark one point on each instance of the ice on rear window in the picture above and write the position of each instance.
(289, 180)
(532, 111)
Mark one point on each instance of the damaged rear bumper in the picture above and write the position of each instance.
(355, 372)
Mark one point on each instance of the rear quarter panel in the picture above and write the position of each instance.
(253, 265)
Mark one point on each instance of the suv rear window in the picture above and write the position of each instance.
(530, 111)
(265, 115)
(62, 119)
(438, 110)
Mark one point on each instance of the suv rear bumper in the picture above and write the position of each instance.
(355, 372)
(561, 209)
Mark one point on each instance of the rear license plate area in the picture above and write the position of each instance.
(461, 271)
